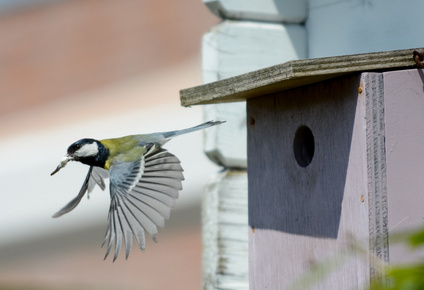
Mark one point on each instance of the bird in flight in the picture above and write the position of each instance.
(145, 181)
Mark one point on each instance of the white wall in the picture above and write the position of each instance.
(359, 26)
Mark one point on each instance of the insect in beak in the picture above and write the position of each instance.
(62, 164)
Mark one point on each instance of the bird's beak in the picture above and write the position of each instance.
(62, 164)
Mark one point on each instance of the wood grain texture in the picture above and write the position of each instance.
(293, 74)
(225, 247)
(373, 86)
(301, 216)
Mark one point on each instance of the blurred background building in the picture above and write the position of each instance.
(94, 68)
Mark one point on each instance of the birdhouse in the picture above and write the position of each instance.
(334, 162)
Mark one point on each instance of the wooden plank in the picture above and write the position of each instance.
(373, 87)
(303, 216)
(227, 46)
(404, 125)
(225, 251)
(293, 74)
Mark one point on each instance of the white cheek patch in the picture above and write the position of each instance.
(87, 150)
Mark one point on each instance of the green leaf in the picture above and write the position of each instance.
(409, 277)
(417, 239)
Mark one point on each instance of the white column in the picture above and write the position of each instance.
(259, 34)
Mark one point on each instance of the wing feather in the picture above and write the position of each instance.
(118, 231)
(150, 212)
(170, 191)
(142, 195)
(154, 204)
(145, 222)
(74, 202)
(164, 173)
(95, 175)
(110, 233)
(164, 166)
(170, 182)
(107, 235)
(163, 159)
(164, 198)
(135, 228)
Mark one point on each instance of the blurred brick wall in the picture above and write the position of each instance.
(55, 49)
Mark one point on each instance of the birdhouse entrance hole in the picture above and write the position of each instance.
(303, 146)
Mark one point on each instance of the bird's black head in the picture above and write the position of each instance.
(88, 151)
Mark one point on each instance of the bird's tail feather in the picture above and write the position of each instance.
(172, 134)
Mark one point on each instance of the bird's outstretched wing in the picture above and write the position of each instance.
(142, 195)
(95, 175)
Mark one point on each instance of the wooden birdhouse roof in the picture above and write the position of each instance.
(293, 74)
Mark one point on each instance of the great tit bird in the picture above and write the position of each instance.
(144, 183)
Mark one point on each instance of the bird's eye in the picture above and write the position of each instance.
(74, 147)
(77, 146)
